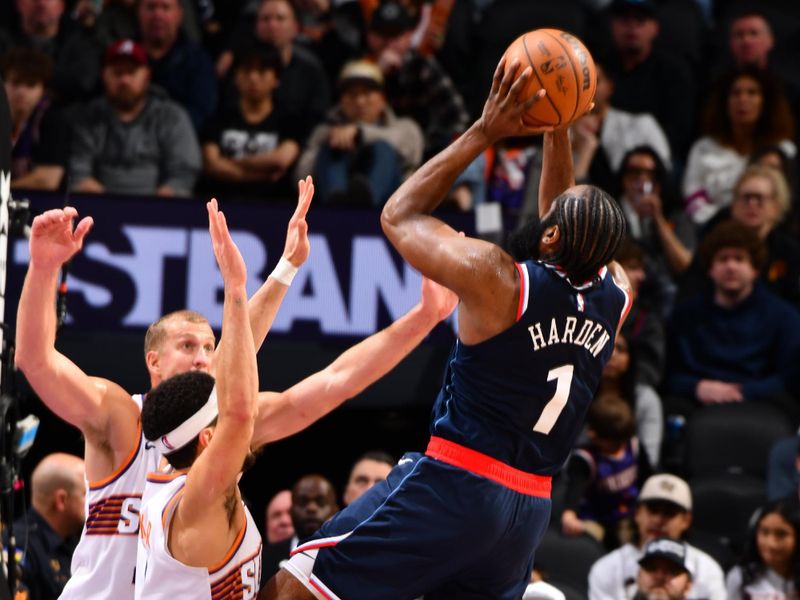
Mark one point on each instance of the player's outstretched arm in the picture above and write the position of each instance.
(284, 414)
(214, 474)
(88, 403)
(467, 266)
(557, 169)
(264, 304)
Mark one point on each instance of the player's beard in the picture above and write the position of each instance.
(523, 244)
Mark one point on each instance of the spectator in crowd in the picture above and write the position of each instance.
(770, 567)
(761, 202)
(644, 327)
(313, 503)
(416, 85)
(362, 153)
(619, 379)
(304, 91)
(248, 150)
(131, 140)
(603, 137)
(647, 197)
(746, 111)
(664, 509)
(750, 43)
(178, 65)
(369, 469)
(39, 133)
(278, 518)
(738, 341)
(648, 80)
(775, 157)
(604, 475)
(75, 58)
(663, 571)
(47, 535)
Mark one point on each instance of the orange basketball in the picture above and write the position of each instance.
(561, 65)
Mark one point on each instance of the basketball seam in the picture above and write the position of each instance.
(575, 74)
(541, 83)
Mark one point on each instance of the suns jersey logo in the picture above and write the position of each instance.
(114, 515)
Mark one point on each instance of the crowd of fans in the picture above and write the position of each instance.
(693, 131)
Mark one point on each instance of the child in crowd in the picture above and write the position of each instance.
(604, 475)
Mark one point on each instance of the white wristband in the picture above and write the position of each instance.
(284, 271)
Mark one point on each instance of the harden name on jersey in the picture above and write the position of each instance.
(592, 336)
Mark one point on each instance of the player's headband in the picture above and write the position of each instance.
(190, 428)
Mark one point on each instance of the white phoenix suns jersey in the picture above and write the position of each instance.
(104, 561)
(160, 576)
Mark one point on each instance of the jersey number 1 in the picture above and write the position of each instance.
(556, 404)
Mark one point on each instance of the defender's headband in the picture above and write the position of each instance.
(190, 428)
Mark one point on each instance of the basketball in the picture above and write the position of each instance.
(563, 67)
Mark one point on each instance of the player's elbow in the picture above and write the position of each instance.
(27, 359)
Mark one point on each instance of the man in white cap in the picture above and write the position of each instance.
(664, 509)
(663, 571)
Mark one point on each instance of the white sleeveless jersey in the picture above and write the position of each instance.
(160, 576)
(104, 561)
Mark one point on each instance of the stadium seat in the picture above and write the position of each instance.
(733, 438)
(567, 559)
(722, 506)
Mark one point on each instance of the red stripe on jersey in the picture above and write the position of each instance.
(319, 589)
(491, 468)
(520, 302)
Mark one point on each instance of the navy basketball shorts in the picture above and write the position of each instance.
(431, 529)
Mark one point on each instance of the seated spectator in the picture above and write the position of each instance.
(602, 138)
(304, 91)
(75, 58)
(39, 134)
(48, 534)
(313, 503)
(372, 467)
(750, 44)
(619, 379)
(769, 566)
(248, 150)
(278, 518)
(644, 327)
(663, 571)
(783, 469)
(604, 475)
(363, 152)
(131, 140)
(761, 202)
(648, 80)
(746, 111)
(664, 509)
(649, 204)
(737, 341)
(178, 65)
(416, 85)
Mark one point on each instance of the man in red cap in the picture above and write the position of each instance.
(133, 140)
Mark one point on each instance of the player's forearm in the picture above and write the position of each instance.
(374, 357)
(263, 307)
(557, 170)
(36, 318)
(421, 193)
(282, 415)
(237, 376)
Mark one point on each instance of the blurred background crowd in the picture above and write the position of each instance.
(693, 433)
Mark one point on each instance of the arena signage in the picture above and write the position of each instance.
(147, 256)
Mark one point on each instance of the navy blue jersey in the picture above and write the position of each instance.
(521, 396)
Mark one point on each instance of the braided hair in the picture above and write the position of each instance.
(592, 227)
